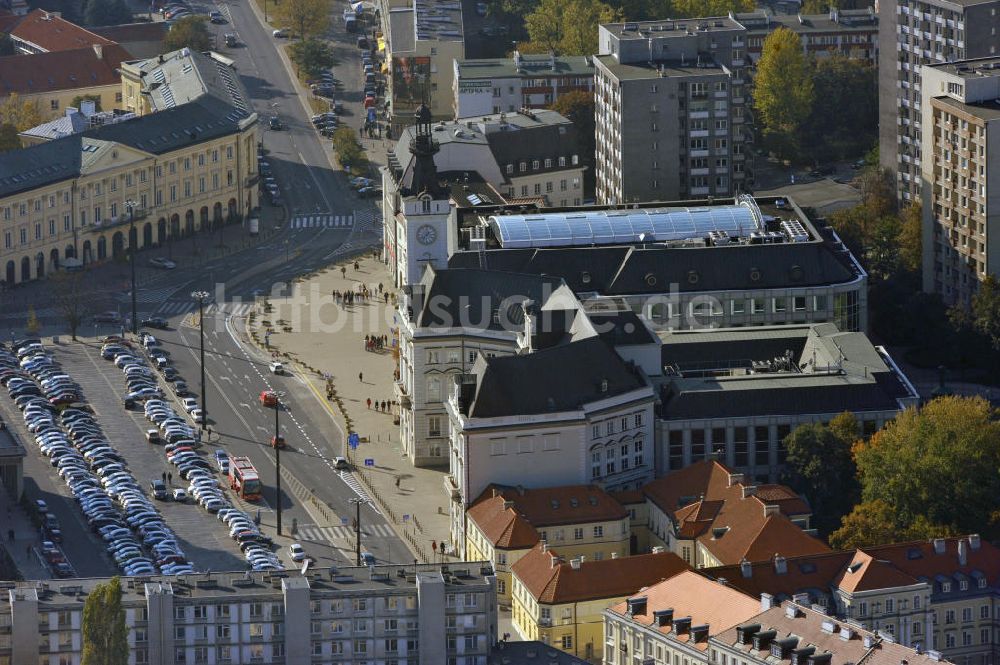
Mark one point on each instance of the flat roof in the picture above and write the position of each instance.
(670, 27)
(848, 20)
(531, 66)
(973, 68)
(9, 446)
(988, 110)
(439, 20)
(659, 69)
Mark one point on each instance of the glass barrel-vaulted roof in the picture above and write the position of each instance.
(611, 227)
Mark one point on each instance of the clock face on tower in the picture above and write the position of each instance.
(426, 234)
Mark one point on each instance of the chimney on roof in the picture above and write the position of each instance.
(583, 558)
(658, 549)
(801, 599)
(545, 545)
(614, 555)
(780, 564)
(507, 505)
(771, 509)
(735, 478)
(974, 541)
(553, 560)
(749, 490)
(746, 568)
(99, 51)
(963, 552)
(939, 545)
(574, 564)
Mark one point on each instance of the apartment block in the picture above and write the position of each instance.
(913, 33)
(419, 614)
(961, 192)
(670, 104)
(936, 596)
(852, 33)
(487, 86)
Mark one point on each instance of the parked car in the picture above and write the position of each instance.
(280, 33)
(155, 322)
(161, 262)
(274, 122)
(159, 489)
(276, 368)
(231, 40)
(341, 464)
(216, 17)
(108, 317)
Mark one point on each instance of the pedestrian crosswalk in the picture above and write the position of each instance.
(149, 295)
(319, 534)
(322, 221)
(174, 307)
(367, 219)
(353, 483)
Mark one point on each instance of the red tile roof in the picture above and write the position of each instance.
(49, 32)
(554, 583)
(509, 516)
(689, 594)
(866, 569)
(732, 520)
(61, 70)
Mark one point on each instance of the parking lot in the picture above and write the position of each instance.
(94, 483)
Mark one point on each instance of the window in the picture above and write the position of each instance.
(578, 533)
(434, 426)
(756, 306)
(966, 614)
(779, 305)
(222, 631)
(360, 604)
(567, 642)
(889, 606)
(949, 616)
(598, 532)
(497, 447)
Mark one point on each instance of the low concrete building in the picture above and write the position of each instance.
(504, 523)
(852, 33)
(736, 394)
(561, 602)
(496, 85)
(403, 614)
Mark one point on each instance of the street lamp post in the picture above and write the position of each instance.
(132, 242)
(277, 456)
(357, 501)
(200, 297)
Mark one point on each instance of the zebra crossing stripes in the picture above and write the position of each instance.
(353, 483)
(172, 307)
(319, 534)
(149, 295)
(322, 221)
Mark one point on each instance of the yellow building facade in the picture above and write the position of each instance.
(74, 196)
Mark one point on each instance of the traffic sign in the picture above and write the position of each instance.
(353, 440)
(369, 461)
(406, 518)
(343, 521)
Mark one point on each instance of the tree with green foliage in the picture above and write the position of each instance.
(311, 56)
(106, 12)
(79, 99)
(937, 467)
(32, 325)
(911, 240)
(188, 32)
(9, 140)
(345, 143)
(783, 90)
(22, 113)
(568, 27)
(846, 122)
(820, 466)
(986, 310)
(105, 634)
(699, 8)
(578, 107)
(309, 18)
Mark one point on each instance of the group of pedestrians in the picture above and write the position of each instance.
(384, 406)
(376, 342)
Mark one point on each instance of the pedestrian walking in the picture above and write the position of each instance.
(164, 475)
(380, 287)
(361, 377)
(357, 266)
(397, 481)
(369, 402)
(170, 478)
(386, 297)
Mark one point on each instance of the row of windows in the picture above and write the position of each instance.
(712, 307)
(615, 457)
(616, 425)
(537, 164)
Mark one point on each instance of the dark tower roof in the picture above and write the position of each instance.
(424, 147)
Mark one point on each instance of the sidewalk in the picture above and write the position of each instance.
(24, 548)
(327, 340)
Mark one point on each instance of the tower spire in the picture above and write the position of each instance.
(423, 147)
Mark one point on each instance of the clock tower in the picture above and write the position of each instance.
(423, 232)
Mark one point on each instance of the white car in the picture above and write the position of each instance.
(180, 495)
(298, 554)
(190, 404)
(198, 415)
(276, 368)
(341, 464)
(160, 262)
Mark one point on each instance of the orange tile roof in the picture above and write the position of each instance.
(514, 527)
(689, 594)
(61, 70)
(709, 503)
(501, 525)
(866, 569)
(554, 583)
(51, 33)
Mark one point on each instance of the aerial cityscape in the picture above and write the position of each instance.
(499, 332)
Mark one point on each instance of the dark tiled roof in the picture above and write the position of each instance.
(42, 164)
(562, 378)
(621, 328)
(134, 32)
(530, 653)
(61, 70)
(623, 269)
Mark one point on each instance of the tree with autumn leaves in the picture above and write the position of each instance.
(933, 471)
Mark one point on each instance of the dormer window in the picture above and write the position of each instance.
(425, 204)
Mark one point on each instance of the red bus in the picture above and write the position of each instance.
(243, 478)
